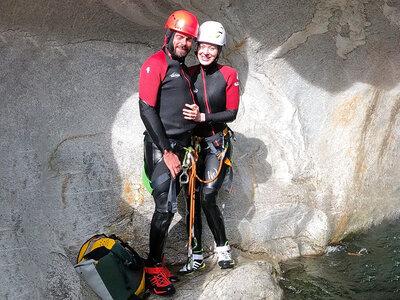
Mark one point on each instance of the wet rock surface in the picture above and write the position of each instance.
(248, 280)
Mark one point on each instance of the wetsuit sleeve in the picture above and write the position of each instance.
(222, 117)
(154, 127)
(152, 74)
(232, 98)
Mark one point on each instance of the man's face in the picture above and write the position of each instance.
(182, 44)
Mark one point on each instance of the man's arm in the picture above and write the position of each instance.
(154, 127)
(156, 131)
(151, 75)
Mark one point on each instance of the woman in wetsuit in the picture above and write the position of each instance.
(217, 90)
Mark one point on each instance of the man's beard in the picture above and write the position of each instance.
(181, 55)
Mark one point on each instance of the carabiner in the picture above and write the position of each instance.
(184, 178)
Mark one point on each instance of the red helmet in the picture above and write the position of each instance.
(184, 22)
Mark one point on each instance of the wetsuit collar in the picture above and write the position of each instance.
(210, 68)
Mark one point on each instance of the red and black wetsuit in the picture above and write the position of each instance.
(217, 91)
(164, 89)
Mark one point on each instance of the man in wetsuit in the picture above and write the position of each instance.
(164, 90)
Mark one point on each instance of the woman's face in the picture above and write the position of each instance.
(206, 53)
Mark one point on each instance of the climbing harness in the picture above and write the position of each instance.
(215, 143)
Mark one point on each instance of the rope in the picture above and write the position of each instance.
(192, 156)
(191, 192)
(219, 170)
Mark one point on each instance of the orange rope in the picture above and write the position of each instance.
(215, 177)
(192, 188)
(192, 192)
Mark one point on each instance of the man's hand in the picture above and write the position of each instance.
(193, 113)
(172, 162)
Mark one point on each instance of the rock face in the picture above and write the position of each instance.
(317, 150)
(249, 280)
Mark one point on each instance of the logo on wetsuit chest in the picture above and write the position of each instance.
(175, 75)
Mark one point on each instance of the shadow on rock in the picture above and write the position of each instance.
(250, 169)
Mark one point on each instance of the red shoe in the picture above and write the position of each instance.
(168, 273)
(158, 282)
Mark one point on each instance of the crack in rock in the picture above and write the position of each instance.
(350, 30)
(100, 41)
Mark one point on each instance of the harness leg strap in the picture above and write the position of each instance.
(171, 200)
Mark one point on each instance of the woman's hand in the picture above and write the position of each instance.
(193, 113)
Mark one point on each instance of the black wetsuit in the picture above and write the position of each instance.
(164, 89)
(217, 91)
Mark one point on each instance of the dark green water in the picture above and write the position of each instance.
(372, 274)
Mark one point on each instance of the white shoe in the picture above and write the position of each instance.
(195, 263)
(224, 257)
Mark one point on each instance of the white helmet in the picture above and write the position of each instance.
(212, 32)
